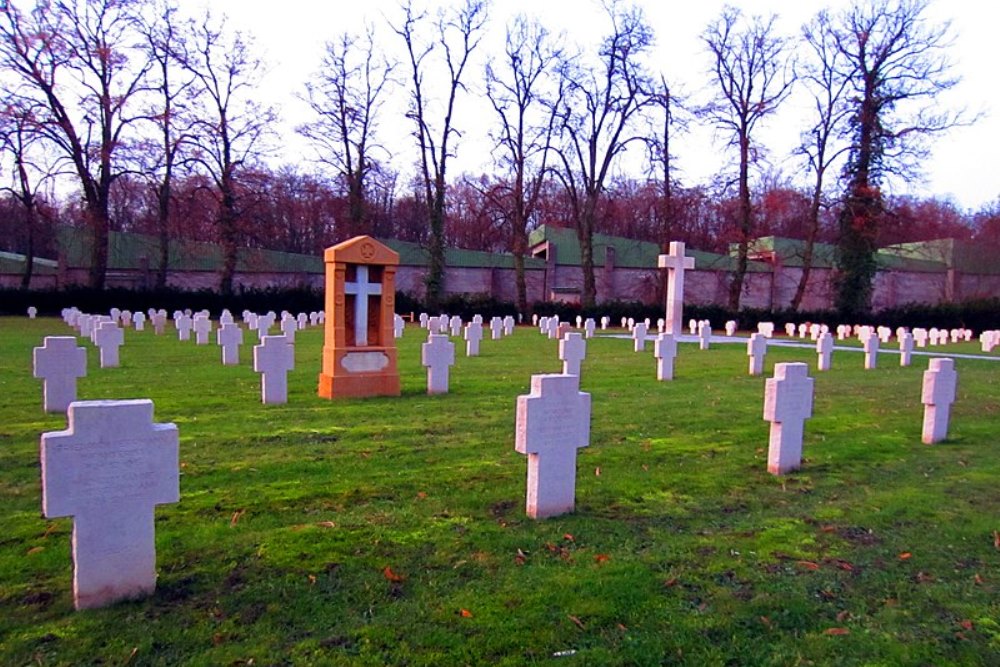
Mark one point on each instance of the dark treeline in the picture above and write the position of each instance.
(154, 123)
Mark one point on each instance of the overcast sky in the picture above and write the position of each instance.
(290, 36)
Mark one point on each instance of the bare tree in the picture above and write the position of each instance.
(230, 126)
(896, 62)
(78, 60)
(346, 97)
(596, 121)
(32, 167)
(170, 113)
(526, 94)
(825, 78)
(459, 32)
(750, 68)
(665, 123)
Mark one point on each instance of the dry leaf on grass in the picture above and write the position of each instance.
(836, 631)
(392, 576)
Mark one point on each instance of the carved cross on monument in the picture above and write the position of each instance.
(359, 349)
(108, 471)
(676, 264)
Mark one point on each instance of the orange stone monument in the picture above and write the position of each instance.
(359, 350)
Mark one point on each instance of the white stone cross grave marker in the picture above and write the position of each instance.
(639, 336)
(126, 319)
(437, 355)
(302, 320)
(183, 324)
(159, 321)
(398, 326)
(676, 264)
(788, 402)
(508, 325)
(202, 329)
(790, 329)
(871, 351)
(108, 470)
(756, 350)
(905, 348)
(95, 325)
(937, 395)
(58, 363)
(605, 321)
(572, 351)
(588, 327)
(665, 351)
(225, 317)
(273, 358)
(824, 351)
(288, 328)
(553, 421)
(456, 325)
(32, 312)
(139, 321)
(473, 334)
(693, 327)
(730, 327)
(424, 320)
(496, 328)
(704, 337)
(553, 328)
(920, 337)
(579, 321)
(109, 338)
(229, 337)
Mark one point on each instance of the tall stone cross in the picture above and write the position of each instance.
(788, 402)
(229, 337)
(359, 348)
(676, 264)
(273, 358)
(665, 351)
(109, 338)
(553, 421)
(59, 362)
(437, 355)
(937, 395)
(572, 351)
(108, 470)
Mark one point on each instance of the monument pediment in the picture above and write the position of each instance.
(361, 250)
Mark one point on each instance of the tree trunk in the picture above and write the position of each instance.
(29, 251)
(162, 225)
(585, 234)
(745, 229)
(435, 272)
(227, 231)
(520, 249)
(97, 218)
(807, 253)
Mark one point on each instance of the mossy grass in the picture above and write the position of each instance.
(392, 530)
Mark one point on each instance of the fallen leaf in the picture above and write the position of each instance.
(326, 524)
(978, 579)
(217, 639)
(645, 468)
(765, 620)
(577, 621)
(808, 565)
(602, 558)
(923, 577)
(906, 555)
(828, 529)
(551, 547)
(843, 615)
(959, 635)
(48, 530)
(672, 581)
(421, 495)
(520, 558)
(836, 631)
(312, 579)
(35, 550)
(996, 539)
(131, 655)
(568, 537)
(966, 624)
(597, 471)
(184, 464)
(622, 628)
(236, 517)
(392, 576)
(465, 613)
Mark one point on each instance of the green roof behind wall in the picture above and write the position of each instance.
(12, 262)
(413, 254)
(792, 252)
(126, 250)
(964, 256)
(629, 253)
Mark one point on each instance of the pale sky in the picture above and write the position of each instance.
(290, 36)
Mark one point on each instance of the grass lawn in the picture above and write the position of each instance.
(392, 531)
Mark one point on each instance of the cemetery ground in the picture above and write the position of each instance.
(392, 530)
